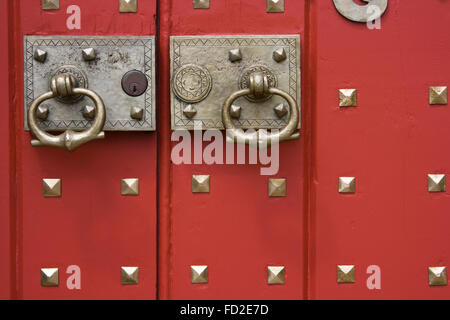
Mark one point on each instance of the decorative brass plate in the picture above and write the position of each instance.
(114, 57)
(212, 54)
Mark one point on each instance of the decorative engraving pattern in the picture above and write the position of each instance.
(192, 83)
(289, 43)
(77, 44)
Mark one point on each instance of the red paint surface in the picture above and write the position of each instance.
(6, 268)
(390, 142)
(91, 225)
(236, 229)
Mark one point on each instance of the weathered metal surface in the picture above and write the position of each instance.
(114, 57)
(211, 53)
(355, 12)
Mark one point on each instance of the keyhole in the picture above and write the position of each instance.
(134, 87)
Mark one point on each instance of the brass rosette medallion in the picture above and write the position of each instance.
(192, 83)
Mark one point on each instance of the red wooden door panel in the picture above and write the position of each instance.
(6, 134)
(236, 229)
(91, 225)
(390, 142)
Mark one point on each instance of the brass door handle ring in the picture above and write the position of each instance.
(61, 86)
(258, 87)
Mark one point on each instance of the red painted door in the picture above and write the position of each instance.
(390, 142)
(236, 230)
(91, 230)
(364, 214)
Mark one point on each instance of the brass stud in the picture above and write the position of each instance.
(51, 187)
(275, 274)
(127, 6)
(189, 111)
(235, 55)
(199, 274)
(437, 276)
(88, 112)
(437, 183)
(235, 111)
(136, 113)
(130, 187)
(277, 187)
(347, 97)
(345, 273)
(438, 95)
(89, 54)
(50, 4)
(129, 275)
(281, 110)
(279, 55)
(347, 184)
(275, 6)
(42, 112)
(200, 183)
(201, 4)
(49, 277)
(40, 55)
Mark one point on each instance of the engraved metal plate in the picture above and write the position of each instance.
(211, 54)
(115, 56)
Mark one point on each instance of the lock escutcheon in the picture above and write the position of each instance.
(134, 83)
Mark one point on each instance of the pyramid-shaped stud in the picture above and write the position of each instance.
(277, 187)
(200, 183)
(51, 187)
(50, 4)
(42, 112)
(438, 95)
(279, 55)
(130, 187)
(201, 4)
(235, 111)
(275, 274)
(275, 6)
(235, 55)
(437, 183)
(347, 184)
(136, 113)
(437, 276)
(199, 274)
(88, 112)
(345, 273)
(40, 55)
(89, 54)
(281, 110)
(129, 275)
(189, 111)
(127, 6)
(347, 97)
(49, 277)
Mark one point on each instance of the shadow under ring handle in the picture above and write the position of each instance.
(68, 140)
(286, 134)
